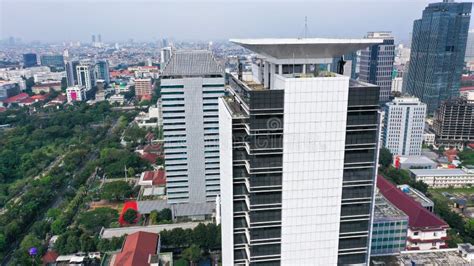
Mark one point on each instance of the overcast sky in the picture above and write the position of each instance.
(147, 20)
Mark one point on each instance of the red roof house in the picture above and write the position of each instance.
(155, 178)
(136, 250)
(425, 229)
(150, 157)
(16, 98)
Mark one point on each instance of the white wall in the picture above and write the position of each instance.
(313, 160)
(226, 183)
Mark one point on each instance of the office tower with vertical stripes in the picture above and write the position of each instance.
(298, 156)
(191, 83)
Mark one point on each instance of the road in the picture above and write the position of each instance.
(118, 232)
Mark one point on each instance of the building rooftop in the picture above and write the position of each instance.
(437, 172)
(384, 209)
(416, 195)
(433, 258)
(419, 217)
(137, 248)
(192, 63)
(280, 48)
(416, 159)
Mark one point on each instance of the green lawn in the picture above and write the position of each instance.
(464, 192)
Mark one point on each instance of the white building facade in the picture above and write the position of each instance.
(86, 75)
(442, 178)
(295, 188)
(76, 94)
(191, 83)
(404, 124)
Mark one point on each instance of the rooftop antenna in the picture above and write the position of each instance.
(305, 27)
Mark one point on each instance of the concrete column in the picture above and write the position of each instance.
(280, 69)
(266, 71)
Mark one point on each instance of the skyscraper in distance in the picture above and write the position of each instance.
(376, 63)
(437, 52)
(29, 60)
(71, 72)
(298, 157)
(404, 123)
(191, 83)
(86, 75)
(102, 69)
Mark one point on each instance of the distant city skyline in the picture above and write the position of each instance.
(54, 21)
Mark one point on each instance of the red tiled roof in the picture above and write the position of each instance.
(158, 177)
(61, 98)
(419, 217)
(137, 248)
(28, 100)
(50, 257)
(2, 109)
(467, 88)
(16, 98)
(153, 148)
(150, 157)
(471, 77)
(150, 136)
(39, 97)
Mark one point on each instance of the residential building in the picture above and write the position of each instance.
(29, 60)
(437, 52)
(137, 249)
(414, 162)
(56, 61)
(426, 231)
(71, 72)
(86, 75)
(8, 89)
(117, 98)
(102, 70)
(298, 149)
(390, 226)
(454, 121)
(403, 126)
(376, 63)
(143, 87)
(418, 196)
(441, 178)
(76, 93)
(191, 83)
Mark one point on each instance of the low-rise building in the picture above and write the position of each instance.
(418, 197)
(442, 178)
(46, 86)
(8, 89)
(76, 94)
(429, 138)
(414, 162)
(466, 251)
(390, 225)
(137, 249)
(143, 87)
(426, 231)
(117, 98)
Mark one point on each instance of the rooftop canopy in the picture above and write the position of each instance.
(304, 48)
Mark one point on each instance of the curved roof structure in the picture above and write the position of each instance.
(305, 48)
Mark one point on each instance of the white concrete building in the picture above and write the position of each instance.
(404, 124)
(86, 75)
(76, 94)
(290, 157)
(191, 83)
(397, 84)
(440, 178)
(429, 138)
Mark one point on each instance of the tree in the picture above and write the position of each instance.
(30, 241)
(117, 190)
(97, 218)
(165, 215)
(154, 217)
(192, 254)
(130, 216)
(385, 157)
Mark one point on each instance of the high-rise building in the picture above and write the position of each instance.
(191, 83)
(71, 72)
(86, 75)
(29, 60)
(298, 148)
(143, 87)
(102, 69)
(376, 63)
(56, 61)
(76, 94)
(165, 55)
(403, 126)
(454, 121)
(99, 38)
(397, 84)
(469, 57)
(437, 52)
(93, 38)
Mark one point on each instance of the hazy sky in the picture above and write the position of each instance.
(146, 20)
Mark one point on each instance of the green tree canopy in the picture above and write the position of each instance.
(97, 218)
(116, 190)
(130, 216)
